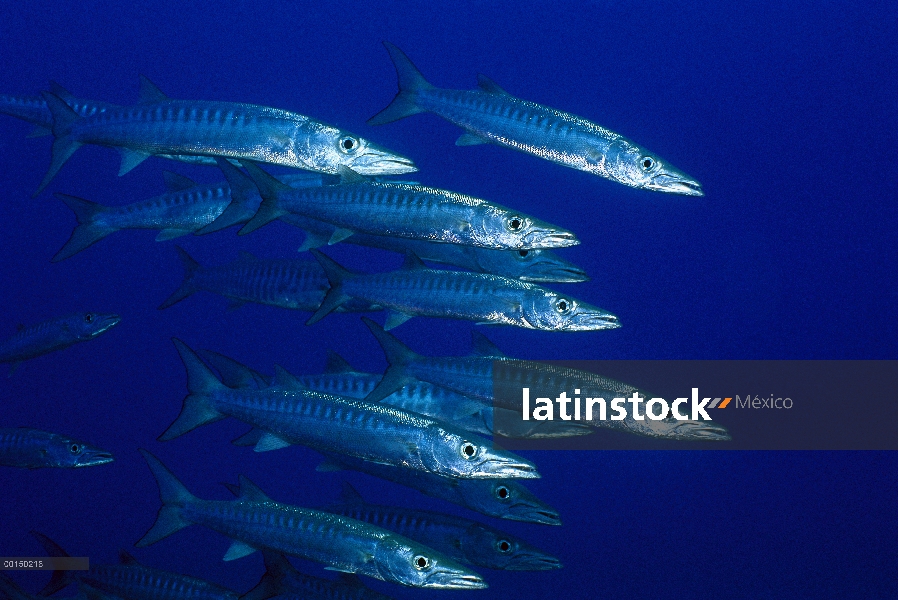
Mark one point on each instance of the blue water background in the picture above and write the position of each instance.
(784, 112)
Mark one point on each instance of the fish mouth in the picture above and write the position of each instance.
(381, 162)
(495, 468)
(702, 430)
(549, 273)
(105, 322)
(529, 514)
(594, 322)
(455, 581)
(96, 457)
(548, 238)
(676, 183)
(533, 561)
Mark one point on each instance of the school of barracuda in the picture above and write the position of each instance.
(421, 423)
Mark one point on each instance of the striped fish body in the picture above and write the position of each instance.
(422, 213)
(33, 109)
(137, 582)
(182, 211)
(54, 334)
(461, 539)
(34, 449)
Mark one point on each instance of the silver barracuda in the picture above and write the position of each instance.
(159, 125)
(490, 115)
(297, 284)
(475, 375)
(54, 334)
(130, 579)
(254, 521)
(406, 211)
(35, 449)
(288, 413)
(416, 290)
(462, 539)
(283, 579)
(499, 498)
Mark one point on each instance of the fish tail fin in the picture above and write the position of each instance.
(187, 287)
(63, 146)
(173, 495)
(198, 409)
(335, 295)
(410, 82)
(87, 232)
(272, 583)
(268, 187)
(59, 579)
(244, 199)
(398, 355)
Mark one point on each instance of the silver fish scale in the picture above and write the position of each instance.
(189, 209)
(297, 284)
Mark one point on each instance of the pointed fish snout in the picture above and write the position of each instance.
(452, 581)
(549, 238)
(676, 183)
(503, 467)
(96, 457)
(377, 161)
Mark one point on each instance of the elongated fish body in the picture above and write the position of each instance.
(416, 290)
(461, 539)
(407, 211)
(283, 580)
(289, 413)
(159, 125)
(54, 334)
(130, 579)
(254, 521)
(297, 284)
(500, 498)
(492, 115)
(475, 376)
(35, 449)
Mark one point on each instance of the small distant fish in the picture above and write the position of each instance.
(491, 115)
(402, 210)
(129, 579)
(499, 498)
(54, 334)
(254, 521)
(282, 579)
(462, 539)
(288, 283)
(160, 125)
(289, 413)
(35, 449)
(416, 290)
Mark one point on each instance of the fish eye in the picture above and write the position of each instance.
(88, 318)
(468, 450)
(421, 562)
(515, 223)
(503, 546)
(502, 493)
(74, 448)
(349, 144)
(648, 163)
(563, 306)
(523, 253)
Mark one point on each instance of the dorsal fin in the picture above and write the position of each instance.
(349, 495)
(347, 175)
(337, 364)
(250, 491)
(285, 380)
(125, 558)
(175, 182)
(60, 91)
(488, 85)
(412, 262)
(481, 346)
(150, 92)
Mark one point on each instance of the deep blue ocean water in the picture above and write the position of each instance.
(785, 114)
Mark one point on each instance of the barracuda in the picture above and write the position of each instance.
(475, 376)
(416, 290)
(491, 115)
(254, 521)
(461, 539)
(34, 449)
(288, 283)
(130, 579)
(288, 413)
(406, 211)
(159, 125)
(54, 334)
(499, 498)
(282, 579)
